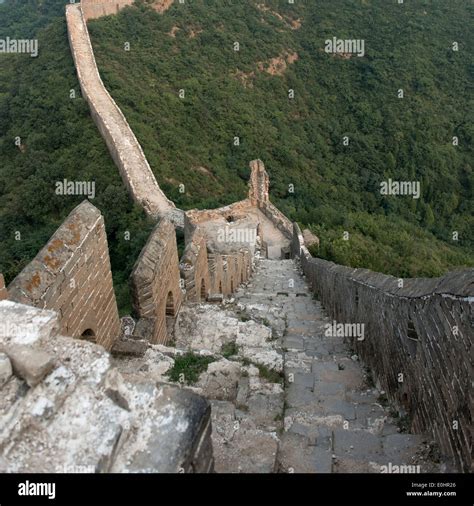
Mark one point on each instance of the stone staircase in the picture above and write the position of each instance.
(335, 420)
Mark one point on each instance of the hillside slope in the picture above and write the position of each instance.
(146, 59)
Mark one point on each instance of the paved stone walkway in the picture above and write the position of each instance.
(333, 421)
(321, 417)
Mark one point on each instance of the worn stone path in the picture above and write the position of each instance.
(333, 421)
(284, 397)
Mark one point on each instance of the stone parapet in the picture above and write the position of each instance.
(155, 281)
(417, 341)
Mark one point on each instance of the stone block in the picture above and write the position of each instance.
(30, 364)
(169, 425)
(25, 325)
(131, 347)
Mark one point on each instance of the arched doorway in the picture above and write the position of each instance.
(231, 285)
(169, 316)
(89, 335)
(203, 290)
(220, 286)
(170, 304)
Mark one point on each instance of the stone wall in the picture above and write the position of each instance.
(121, 141)
(72, 276)
(3, 289)
(155, 281)
(418, 341)
(259, 187)
(97, 8)
(195, 269)
(69, 411)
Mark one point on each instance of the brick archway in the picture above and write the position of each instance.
(203, 290)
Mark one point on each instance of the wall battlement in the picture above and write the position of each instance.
(93, 9)
(71, 275)
(155, 281)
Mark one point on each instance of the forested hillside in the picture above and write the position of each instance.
(58, 141)
(244, 94)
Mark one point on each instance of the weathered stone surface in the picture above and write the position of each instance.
(296, 456)
(30, 364)
(25, 325)
(170, 421)
(135, 347)
(83, 417)
(220, 380)
(5, 369)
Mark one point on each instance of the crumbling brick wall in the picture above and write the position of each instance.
(97, 8)
(418, 339)
(195, 268)
(259, 196)
(3, 289)
(155, 280)
(72, 275)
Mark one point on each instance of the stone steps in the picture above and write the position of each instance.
(333, 421)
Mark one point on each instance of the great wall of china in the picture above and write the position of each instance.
(69, 366)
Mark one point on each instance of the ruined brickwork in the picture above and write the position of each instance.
(259, 184)
(123, 145)
(97, 8)
(72, 275)
(418, 341)
(194, 268)
(57, 390)
(259, 196)
(155, 281)
(3, 289)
